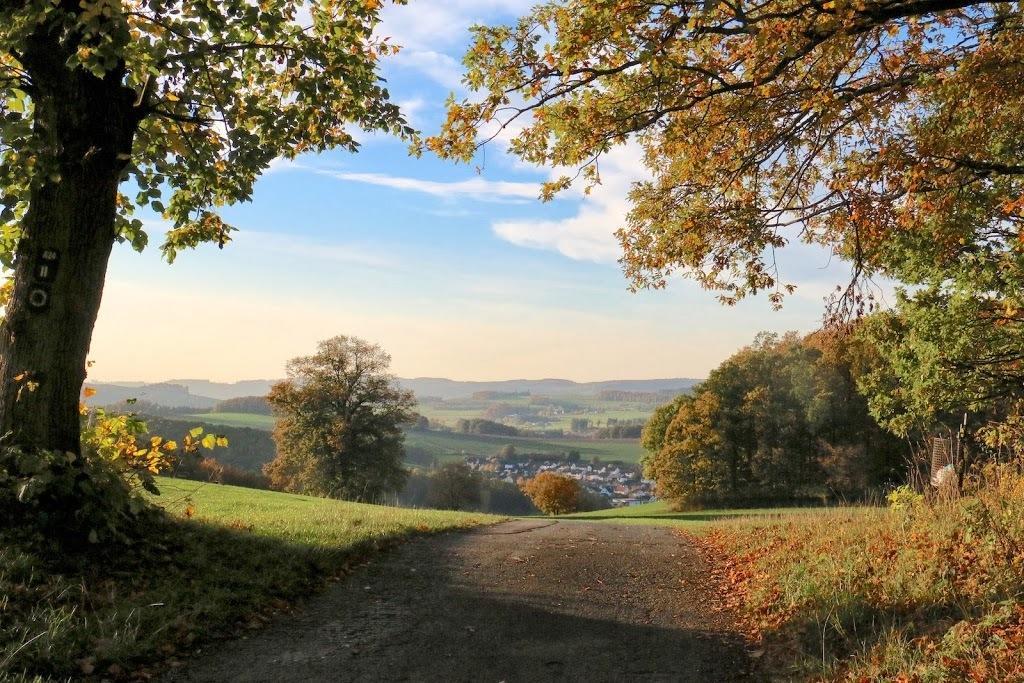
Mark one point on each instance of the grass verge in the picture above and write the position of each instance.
(929, 592)
(228, 559)
(661, 513)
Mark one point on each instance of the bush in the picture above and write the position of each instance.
(247, 448)
(552, 493)
(67, 501)
(904, 499)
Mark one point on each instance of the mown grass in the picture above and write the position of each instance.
(242, 555)
(661, 513)
(929, 593)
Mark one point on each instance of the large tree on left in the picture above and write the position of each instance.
(107, 106)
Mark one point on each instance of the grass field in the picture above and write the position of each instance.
(243, 555)
(264, 422)
(660, 513)
(450, 412)
(453, 446)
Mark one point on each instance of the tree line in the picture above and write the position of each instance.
(780, 421)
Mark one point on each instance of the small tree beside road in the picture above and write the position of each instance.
(552, 493)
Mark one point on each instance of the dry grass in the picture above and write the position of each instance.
(927, 593)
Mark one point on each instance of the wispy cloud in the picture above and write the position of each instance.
(433, 34)
(442, 69)
(590, 234)
(479, 189)
(294, 245)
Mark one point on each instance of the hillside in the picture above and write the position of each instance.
(240, 556)
(447, 388)
(164, 394)
(204, 394)
(453, 446)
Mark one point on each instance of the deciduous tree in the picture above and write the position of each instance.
(778, 420)
(553, 493)
(176, 107)
(339, 423)
(887, 131)
(454, 487)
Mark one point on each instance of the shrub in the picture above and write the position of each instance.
(904, 499)
(67, 500)
(552, 493)
(211, 469)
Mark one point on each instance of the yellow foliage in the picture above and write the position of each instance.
(116, 439)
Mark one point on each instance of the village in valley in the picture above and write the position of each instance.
(621, 484)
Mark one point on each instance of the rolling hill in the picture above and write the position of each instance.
(204, 394)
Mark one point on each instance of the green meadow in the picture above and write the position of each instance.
(453, 446)
(227, 556)
(661, 513)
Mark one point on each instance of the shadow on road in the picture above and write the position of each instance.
(560, 602)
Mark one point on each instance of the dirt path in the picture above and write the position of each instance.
(521, 601)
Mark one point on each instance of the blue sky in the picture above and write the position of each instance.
(456, 273)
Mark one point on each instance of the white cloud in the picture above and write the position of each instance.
(473, 188)
(428, 24)
(412, 108)
(443, 69)
(433, 35)
(590, 234)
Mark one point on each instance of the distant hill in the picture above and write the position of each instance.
(447, 388)
(224, 390)
(166, 394)
(203, 394)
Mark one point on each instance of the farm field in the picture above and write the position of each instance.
(597, 411)
(449, 446)
(265, 422)
(453, 446)
(238, 554)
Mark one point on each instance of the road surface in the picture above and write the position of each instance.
(520, 601)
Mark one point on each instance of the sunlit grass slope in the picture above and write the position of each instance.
(242, 555)
(317, 523)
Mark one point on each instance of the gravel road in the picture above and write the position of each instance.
(520, 601)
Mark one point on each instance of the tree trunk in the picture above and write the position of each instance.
(86, 125)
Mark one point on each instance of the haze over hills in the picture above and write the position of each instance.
(203, 394)
(447, 388)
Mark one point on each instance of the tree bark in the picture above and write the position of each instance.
(86, 125)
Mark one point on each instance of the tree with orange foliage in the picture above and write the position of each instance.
(886, 131)
(552, 493)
